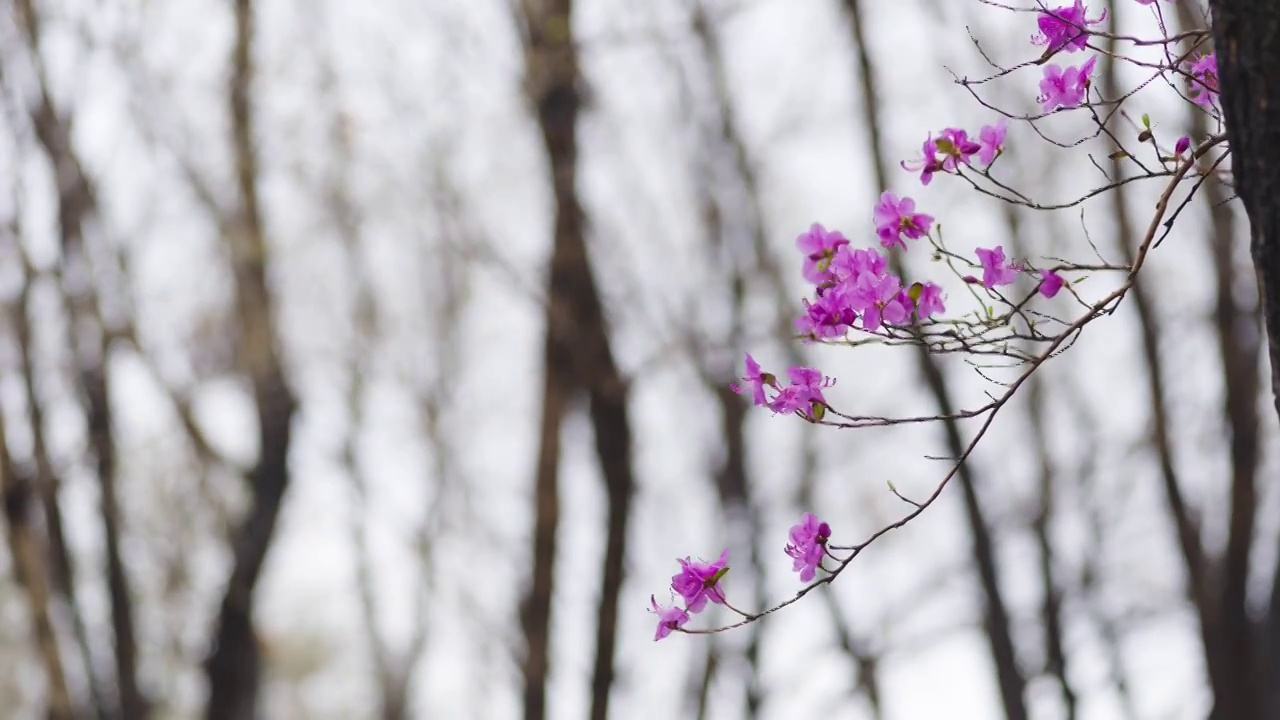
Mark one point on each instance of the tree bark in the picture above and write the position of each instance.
(1246, 35)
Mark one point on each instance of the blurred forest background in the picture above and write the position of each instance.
(370, 359)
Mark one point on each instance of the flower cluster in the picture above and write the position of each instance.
(859, 288)
(953, 147)
(698, 583)
(1065, 29)
(803, 395)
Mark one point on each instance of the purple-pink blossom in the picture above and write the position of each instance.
(995, 269)
(803, 394)
(756, 382)
(928, 163)
(895, 217)
(698, 582)
(956, 148)
(1065, 88)
(1183, 144)
(669, 618)
(818, 245)
(929, 301)
(991, 141)
(1204, 80)
(830, 316)
(808, 545)
(881, 300)
(1065, 28)
(1050, 283)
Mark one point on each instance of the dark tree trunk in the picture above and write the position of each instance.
(577, 358)
(234, 664)
(1246, 35)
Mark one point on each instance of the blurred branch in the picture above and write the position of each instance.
(577, 356)
(1186, 528)
(1012, 683)
(233, 666)
(76, 206)
(29, 568)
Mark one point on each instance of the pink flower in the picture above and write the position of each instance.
(848, 265)
(829, 317)
(875, 294)
(995, 271)
(756, 380)
(895, 218)
(1065, 88)
(1183, 144)
(669, 618)
(1050, 283)
(804, 394)
(1065, 28)
(698, 582)
(928, 163)
(1204, 81)
(807, 546)
(818, 246)
(956, 148)
(929, 302)
(991, 140)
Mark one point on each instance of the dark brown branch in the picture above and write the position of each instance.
(233, 666)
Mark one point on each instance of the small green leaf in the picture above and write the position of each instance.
(1118, 154)
(1146, 121)
(946, 146)
(915, 291)
(719, 574)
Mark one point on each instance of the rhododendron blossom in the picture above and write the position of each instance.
(804, 394)
(896, 217)
(818, 245)
(808, 545)
(995, 270)
(756, 381)
(929, 301)
(1050, 283)
(1204, 83)
(698, 582)
(1065, 28)
(991, 141)
(1065, 88)
(669, 618)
